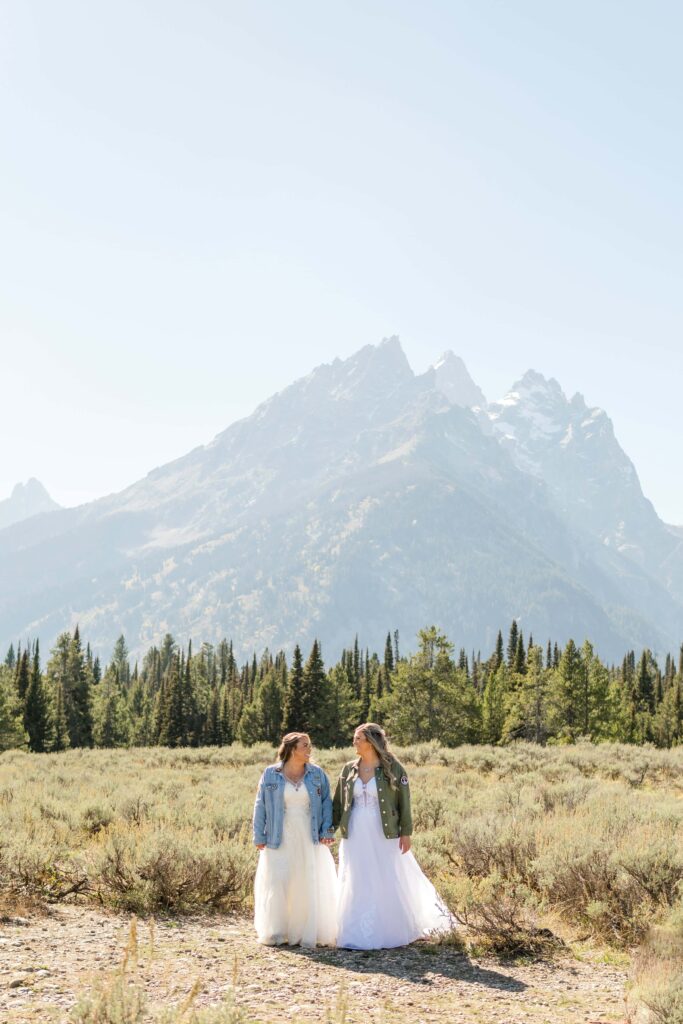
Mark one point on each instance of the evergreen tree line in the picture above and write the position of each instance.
(181, 697)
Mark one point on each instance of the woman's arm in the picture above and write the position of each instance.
(337, 801)
(405, 815)
(259, 817)
(326, 826)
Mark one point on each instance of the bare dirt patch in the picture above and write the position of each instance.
(47, 960)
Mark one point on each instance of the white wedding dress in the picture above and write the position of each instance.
(385, 900)
(295, 888)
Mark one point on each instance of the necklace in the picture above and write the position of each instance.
(297, 785)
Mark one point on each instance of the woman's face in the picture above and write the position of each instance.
(361, 743)
(302, 751)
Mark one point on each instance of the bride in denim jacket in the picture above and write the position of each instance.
(295, 888)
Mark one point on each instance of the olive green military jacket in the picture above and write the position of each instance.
(394, 802)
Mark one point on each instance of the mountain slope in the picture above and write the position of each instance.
(357, 500)
(593, 483)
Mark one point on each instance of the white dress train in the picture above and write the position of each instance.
(385, 900)
(295, 888)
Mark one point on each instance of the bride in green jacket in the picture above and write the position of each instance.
(385, 900)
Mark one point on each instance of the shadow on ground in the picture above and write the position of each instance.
(418, 964)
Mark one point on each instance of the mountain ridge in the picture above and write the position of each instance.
(362, 498)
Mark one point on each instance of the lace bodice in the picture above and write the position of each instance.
(297, 801)
(365, 794)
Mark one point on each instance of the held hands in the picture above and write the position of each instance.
(404, 843)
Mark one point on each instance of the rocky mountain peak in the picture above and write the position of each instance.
(452, 379)
(534, 388)
(374, 368)
(533, 411)
(26, 500)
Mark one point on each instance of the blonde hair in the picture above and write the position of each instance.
(288, 743)
(376, 736)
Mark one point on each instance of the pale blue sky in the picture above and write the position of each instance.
(200, 201)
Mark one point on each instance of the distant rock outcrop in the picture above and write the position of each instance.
(29, 499)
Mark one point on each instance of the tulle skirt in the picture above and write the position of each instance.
(295, 889)
(385, 899)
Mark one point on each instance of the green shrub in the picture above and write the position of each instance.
(153, 868)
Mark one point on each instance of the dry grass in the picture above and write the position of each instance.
(519, 839)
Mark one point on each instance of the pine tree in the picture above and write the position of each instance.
(176, 730)
(270, 698)
(513, 640)
(388, 655)
(37, 718)
(494, 704)
(78, 696)
(431, 698)
(356, 667)
(23, 676)
(342, 712)
(119, 660)
(313, 691)
(60, 738)
(566, 685)
(250, 727)
(162, 713)
(12, 732)
(463, 663)
(665, 724)
(191, 726)
(168, 649)
(294, 709)
(140, 706)
(497, 659)
(10, 658)
(596, 709)
(527, 706)
(365, 698)
(111, 725)
(519, 664)
(645, 683)
(213, 721)
(226, 717)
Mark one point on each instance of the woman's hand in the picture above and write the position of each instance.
(260, 846)
(327, 842)
(404, 843)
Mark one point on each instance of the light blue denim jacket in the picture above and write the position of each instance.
(269, 807)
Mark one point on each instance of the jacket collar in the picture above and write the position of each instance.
(279, 766)
(355, 765)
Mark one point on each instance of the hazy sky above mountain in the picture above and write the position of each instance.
(201, 201)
